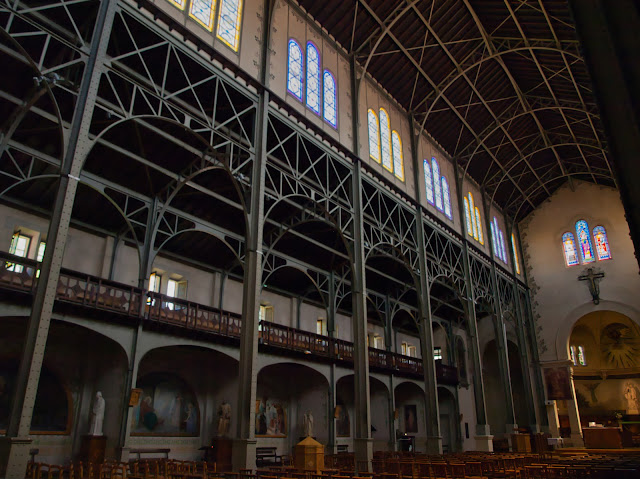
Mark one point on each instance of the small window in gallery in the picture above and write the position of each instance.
(385, 140)
(265, 313)
(428, 180)
(176, 289)
(437, 353)
(411, 351)
(202, 12)
(330, 100)
(19, 247)
(229, 23)
(569, 249)
(378, 343)
(515, 253)
(602, 244)
(295, 70)
(584, 241)
(155, 281)
(374, 135)
(398, 164)
(320, 329)
(313, 78)
(404, 348)
(40, 255)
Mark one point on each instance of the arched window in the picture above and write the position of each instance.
(584, 240)
(503, 250)
(582, 360)
(295, 70)
(480, 237)
(229, 23)
(313, 78)
(428, 180)
(569, 248)
(330, 101)
(437, 186)
(494, 243)
(467, 215)
(202, 12)
(515, 253)
(374, 135)
(398, 165)
(602, 244)
(446, 198)
(385, 140)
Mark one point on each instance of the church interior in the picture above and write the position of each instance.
(305, 240)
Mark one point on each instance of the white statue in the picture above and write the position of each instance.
(224, 418)
(97, 416)
(307, 424)
(631, 395)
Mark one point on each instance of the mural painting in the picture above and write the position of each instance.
(271, 418)
(410, 418)
(166, 407)
(343, 426)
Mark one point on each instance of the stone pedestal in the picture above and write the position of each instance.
(93, 448)
(484, 443)
(220, 452)
(309, 455)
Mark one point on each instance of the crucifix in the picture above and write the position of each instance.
(594, 289)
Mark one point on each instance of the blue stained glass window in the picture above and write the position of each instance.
(584, 240)
(503, 251)
(374, 136)
(330, 99)
(385, 140)
(569, 249)
(446, 196)
(602, 244)
(229, 22)
(515, 253)
(474, 219)
(313, 78)
(428, 180)
(437, 186)
(494, 227)
(179, 3)
(202, 12)
(467, 215)
(398, 164)
(295, 70)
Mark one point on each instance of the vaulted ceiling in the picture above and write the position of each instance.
(501, 85)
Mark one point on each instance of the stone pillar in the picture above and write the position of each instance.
(574, 414)
(15, 445)
(554, 421)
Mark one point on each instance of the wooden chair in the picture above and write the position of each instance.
(537, 471)
(457, 470)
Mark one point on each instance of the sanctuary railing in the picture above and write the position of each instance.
(85, 290)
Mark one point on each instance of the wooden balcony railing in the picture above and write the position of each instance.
(20, 274)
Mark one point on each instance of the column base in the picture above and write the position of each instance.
(509, 430)
(484, 443)
(14, 456)
(577, 440)
(363, 449)
(434, 445)
(124, 453)
(243, 454)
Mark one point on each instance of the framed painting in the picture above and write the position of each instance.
(271, 418)
(343, 425)
(557, 381)
(165, 407)
(410, 418)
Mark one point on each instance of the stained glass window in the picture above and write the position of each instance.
(584, 240)
(474, 222)
(515, 253)
(229, 22)
(385, 140)
(330, 102)
(602, 244)
(480, 237)
(437, 186)
(295, 70)
(569, 248)
(503, 250)
(574, 360)
(313, 78)
(494, 227)
(179, 3)
(428, 180)
(582, 360)
(467, 215)
(202, 12)
(446, 197)
(396, 144)
(374, 136)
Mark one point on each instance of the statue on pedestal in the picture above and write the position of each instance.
(307, 424)
(97, 416)
(224, 418)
